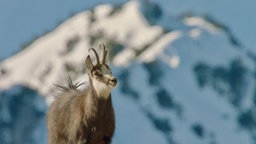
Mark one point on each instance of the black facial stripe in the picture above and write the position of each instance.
(106, 66)
(99, 69)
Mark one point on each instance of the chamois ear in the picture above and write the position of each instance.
(89, 65)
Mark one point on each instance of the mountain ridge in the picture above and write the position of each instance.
(187, 79)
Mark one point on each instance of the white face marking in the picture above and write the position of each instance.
(103, 89)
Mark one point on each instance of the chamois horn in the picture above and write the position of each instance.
(104, 53)
(97, 56)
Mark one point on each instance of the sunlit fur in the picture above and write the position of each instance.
(84, 117)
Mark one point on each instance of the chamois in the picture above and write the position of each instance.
(84, 117)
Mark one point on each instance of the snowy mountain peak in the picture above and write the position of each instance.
(182, 80)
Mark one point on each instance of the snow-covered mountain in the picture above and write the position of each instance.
(185, 79)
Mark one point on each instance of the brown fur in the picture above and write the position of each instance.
(80, 117)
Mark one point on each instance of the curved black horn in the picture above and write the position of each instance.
(97, 57)
(104, 53)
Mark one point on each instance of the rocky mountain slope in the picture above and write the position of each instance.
(185, 79)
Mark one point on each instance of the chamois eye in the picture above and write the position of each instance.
(97, 74)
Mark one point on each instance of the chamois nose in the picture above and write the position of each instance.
(113, 81)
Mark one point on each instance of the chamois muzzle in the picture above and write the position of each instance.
(113, 81)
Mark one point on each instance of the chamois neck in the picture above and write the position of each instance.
(93, 103)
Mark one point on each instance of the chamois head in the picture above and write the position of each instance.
(100, 74)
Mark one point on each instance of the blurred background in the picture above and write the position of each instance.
(186, 69)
